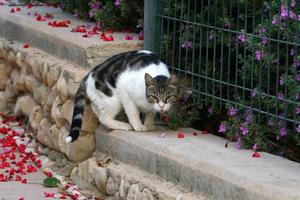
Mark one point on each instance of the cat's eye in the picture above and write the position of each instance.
(152, 99)
(170, 98)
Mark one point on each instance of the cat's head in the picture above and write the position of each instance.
(162, 92)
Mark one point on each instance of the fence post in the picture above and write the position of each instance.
(151, 25)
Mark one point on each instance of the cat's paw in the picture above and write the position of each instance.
(140, 127)
(150, 127)
(126, 127)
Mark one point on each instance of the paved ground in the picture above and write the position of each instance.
(32, 176)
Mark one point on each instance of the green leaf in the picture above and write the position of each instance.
(51, 182)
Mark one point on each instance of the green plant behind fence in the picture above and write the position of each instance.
(242, 55)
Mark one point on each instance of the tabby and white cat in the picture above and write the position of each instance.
(135, 81)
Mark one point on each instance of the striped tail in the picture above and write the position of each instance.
(80, 102)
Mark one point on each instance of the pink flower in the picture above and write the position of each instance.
(259, 55)
(242, 38)
(222, 128)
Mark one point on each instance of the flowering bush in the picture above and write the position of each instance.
(242, 57)
(117, 15)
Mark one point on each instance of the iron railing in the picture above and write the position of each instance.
(242, 53)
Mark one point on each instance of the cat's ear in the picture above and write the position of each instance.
(148, 80)
(173, 80)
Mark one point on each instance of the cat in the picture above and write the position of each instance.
(136, 81)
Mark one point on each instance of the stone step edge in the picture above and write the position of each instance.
(115, 178)
(65, 46)
(215, 183)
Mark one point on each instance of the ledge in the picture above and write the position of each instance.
(61, 42)
(202, 164)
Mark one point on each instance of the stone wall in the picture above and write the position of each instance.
(120, 181)
(41, 87)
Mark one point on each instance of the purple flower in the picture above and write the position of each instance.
(297, 77)
(298, 129)
(297, 110)
(242, 38)
(244, 130)
(297, 96)
(262, 30)
(95, 5)
(298, 17)
(117, 3)
(281, 80)
(271, 122)
(259, 55)
(91, 14)
(280, 96)
(222, 128)
(232, 111)
(282, 132)
(187, 45)
(254, 147)
(283, 12)
(238, 143)
(249, 117)
(274, 21)
(210, 110)
(263, 41)
(292, 52)
(293, 15)
(293, 3)
(296, 63)
(253, 93)
(76, 14)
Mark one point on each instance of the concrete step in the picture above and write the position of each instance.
(61, 42)
(201, 164)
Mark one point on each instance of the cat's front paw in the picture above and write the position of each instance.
(140, 127)
(150, 127)
(126, 127)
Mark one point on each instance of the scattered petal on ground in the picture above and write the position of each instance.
(180, 135)
(162, 135)
(256, 155)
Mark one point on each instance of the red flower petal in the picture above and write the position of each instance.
(195, 133)
(79, 29)
(25, 46)
(40, 18)
(49, 194)
(18, 178)
(256, 155)
(128, 37)
(29, 5)
(31, 168)
(24, 181)
(18, 9)
(48, 173)
(63, 196)
(141, 37)
(12, 10)
(12, 157)
(205, 132)
(109, 31)
(110, 38)
(21, 198)
(38, 163)
(180, 135)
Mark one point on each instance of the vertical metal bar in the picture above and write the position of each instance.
(222, 49)
(206, 58)
(151, 25)
(180, 36)
(174, 38)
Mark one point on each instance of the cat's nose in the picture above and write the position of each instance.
(161, 105)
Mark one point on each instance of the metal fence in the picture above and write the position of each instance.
(242, 53)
